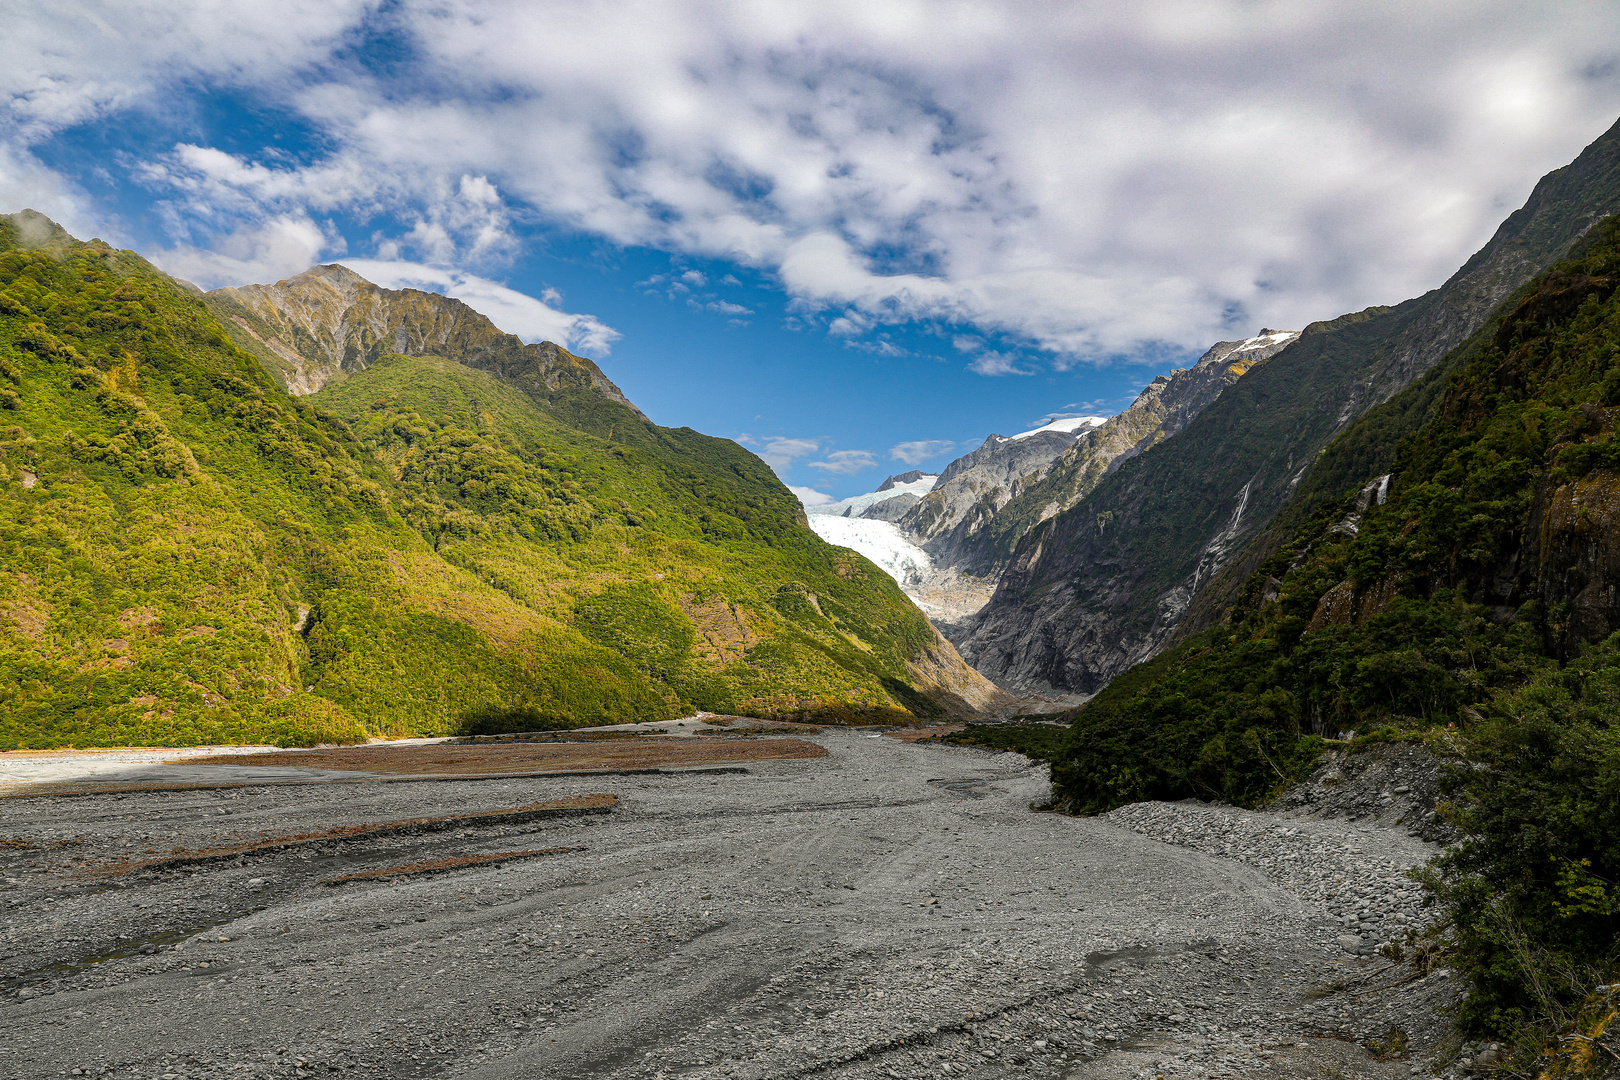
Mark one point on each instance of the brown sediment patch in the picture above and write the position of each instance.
(753, 725)
(508, 759)
(914, 734)
(438, 866)
(583, 804)
(726, 631)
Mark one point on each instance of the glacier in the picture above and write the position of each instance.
(1068, 425)
(880, 541)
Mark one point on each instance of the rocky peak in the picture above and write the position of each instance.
(309, 328)
(902, 478)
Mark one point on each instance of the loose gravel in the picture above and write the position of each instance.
(889, 910)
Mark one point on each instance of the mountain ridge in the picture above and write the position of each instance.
(329, 321)
(977, 538)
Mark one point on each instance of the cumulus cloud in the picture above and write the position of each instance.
(512, 311)
(920, 450)
(1093, 181)
(991, 362)
(810, 496)
(846, 462)
(779, 452)
(26, 183)
(68, 63)
(261, 252)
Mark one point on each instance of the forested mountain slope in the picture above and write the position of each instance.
(188, 553)
(1474, 588)
(1103, 584)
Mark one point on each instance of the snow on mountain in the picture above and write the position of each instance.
(852, 506)
(879, 541)
(1068, 425)
(1265, 339)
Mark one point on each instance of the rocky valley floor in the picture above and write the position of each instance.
(891, 909)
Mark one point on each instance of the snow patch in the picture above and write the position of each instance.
(852, 506)
(1264, 340)
(1068, 425)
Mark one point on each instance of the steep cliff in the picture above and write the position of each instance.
(1102, 585)
(973, 488)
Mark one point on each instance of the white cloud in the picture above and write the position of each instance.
(263, 252)
(995, 363)
(780, 453)
(27, 184)
(810, 496)
(846, 462)
(512, 311)
(1093, 180)
(919, 451)
(67, 63)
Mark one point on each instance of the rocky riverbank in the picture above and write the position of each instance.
(891, 909)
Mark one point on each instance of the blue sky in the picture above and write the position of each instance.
(855, 236)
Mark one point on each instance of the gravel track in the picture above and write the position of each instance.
(891, 909)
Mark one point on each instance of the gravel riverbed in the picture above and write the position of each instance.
(889, 910)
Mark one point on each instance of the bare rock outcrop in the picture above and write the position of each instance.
(310, 328)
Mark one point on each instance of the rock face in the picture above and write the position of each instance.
(973, 519)
(1573, 549)
(975, 486)
(312, 328)
(891, 509)
(902, 478)
(1103, 584)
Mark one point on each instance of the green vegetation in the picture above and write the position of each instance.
(1530, 894)
(1030, 737)
(1476, 597)
(188, 554)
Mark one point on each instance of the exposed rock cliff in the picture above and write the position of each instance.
(312, 328)
(1102, 585)
(977, 538)
(976, 485)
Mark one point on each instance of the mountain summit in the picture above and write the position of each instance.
(329, 321)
